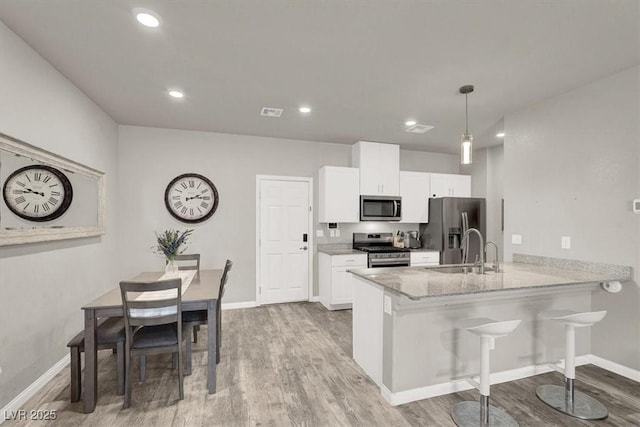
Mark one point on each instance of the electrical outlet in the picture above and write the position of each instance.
(387, 304)
(516, 239)
(566, 242)
(332, 232)
(319, 233)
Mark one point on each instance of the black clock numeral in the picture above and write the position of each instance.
(37, 176)
(53, 201)
(46, 179)
(204, 205)
(27, 176)
(191, 212)
(21, 184)
(206, 198)
(199, 210)
(20, 200)
(184, 185)
(183, 210)
(53, 185)
(55, 193)
(24, 208)
(176, 197)
(36, 208)
(198, 186)
(45, 207)
(17, 192)
(192, 183)
(204, 191)
(178, 205)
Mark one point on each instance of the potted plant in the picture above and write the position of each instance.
(170, 244)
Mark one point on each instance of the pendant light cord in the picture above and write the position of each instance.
(466, 112)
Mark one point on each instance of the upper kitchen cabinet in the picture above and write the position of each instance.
(379, 166)
(450, 185)
(414, 189)
(338, 194)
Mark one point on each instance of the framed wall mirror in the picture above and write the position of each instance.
(47, 197)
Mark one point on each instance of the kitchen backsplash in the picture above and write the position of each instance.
(347, 230)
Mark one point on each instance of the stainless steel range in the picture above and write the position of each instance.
(380, 250)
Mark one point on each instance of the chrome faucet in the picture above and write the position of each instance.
(465, 243)
(496, 263)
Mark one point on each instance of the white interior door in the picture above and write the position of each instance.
(284, 255)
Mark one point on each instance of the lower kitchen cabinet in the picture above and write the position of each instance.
(425, 258)
(336, 289)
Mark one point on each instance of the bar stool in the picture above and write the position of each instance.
(473, 413)
(566, 399)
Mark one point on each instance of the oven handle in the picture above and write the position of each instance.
(388, 263)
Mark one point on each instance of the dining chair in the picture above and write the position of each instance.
(189, 257)
(199, 317)
(153, 325)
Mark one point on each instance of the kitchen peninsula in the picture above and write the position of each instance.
(405, 321)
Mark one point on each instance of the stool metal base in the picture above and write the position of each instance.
(468, 414)
(583, 407)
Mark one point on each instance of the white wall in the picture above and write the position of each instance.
(43, 286)
(150, 158)
(571, 168)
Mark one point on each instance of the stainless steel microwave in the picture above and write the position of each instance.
(380, 208)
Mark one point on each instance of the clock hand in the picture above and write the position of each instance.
(28, 190)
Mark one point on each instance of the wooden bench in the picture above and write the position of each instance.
(110, 335)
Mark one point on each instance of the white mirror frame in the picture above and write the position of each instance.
(18, 237)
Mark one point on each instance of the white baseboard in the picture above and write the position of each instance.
(235, 305)
(314, 299)
(420, 393)
(616, 368)
(18, 402)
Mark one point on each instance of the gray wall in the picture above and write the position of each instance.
(151, 157)
(43, 286)
(571, 166)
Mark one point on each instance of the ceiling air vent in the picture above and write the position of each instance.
(419, 129)
(271, 112)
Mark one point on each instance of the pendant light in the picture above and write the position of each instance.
(466, 147)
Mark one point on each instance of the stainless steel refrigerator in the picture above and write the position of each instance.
(449, 217)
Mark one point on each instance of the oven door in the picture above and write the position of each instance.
(380, 208)
(388, 262)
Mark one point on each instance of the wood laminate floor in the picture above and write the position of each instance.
(290, 364)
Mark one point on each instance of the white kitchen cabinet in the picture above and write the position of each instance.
(414, 189)
(336, 288)
(450, 185)
(379, 166)
(339, 194)
(419, 258)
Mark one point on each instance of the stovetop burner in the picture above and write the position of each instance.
(380, 249)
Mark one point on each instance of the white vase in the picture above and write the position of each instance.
(171, 268)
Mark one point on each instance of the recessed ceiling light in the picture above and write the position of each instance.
(500, 135)
(305, 109)
(410, 123)
(176, 94)
(146, 18)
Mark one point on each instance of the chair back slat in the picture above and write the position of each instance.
(189, 257)
(161, 303)
(225, 277)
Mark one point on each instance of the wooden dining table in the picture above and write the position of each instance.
(202, 294)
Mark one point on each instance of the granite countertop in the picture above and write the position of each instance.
(427, 282)
(339, 249)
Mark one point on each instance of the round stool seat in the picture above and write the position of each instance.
(490, 328)
(574, 318)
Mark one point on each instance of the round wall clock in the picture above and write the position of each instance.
(37, 193)
(191, 198)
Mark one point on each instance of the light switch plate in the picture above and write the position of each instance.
(319, 233)
(516, 239)
(337, 232)
(566, 242)
(387, 304)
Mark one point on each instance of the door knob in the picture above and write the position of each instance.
(304, 248)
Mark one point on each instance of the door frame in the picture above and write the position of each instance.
(310, 235)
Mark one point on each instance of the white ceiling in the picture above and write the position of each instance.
(364, 66)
